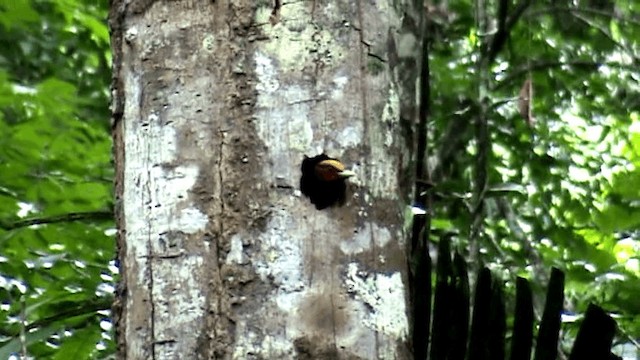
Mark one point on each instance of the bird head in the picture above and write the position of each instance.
(332, 170)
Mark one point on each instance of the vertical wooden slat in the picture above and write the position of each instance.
(420, 288)
(547, 342)
(441, 303)
(595, 335)
(523, 322)
(478, 349)
(459, 309)
(498, 325)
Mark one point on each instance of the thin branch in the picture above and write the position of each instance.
(481, 135)
(584, 10)
(605, 32)
(90, 215)
(454, 138)
(629, 338)
(68, 311)
(23, 328)
(499, 38)
(80, 309)
(504, 27)
(516, 75)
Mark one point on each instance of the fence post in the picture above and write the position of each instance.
(459, 309)
(523, 321)
(420, 287)
(547, 342)
(595, 335)
(478, 349)
(498, 325)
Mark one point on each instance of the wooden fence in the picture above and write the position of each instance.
(447, 334)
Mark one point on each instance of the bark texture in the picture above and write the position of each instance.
(215, 105)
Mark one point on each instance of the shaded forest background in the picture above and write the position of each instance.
(560, 175)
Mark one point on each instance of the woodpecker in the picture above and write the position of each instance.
(323, 181)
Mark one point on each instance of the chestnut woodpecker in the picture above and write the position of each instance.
(323, 181)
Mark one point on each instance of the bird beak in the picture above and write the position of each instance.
(344, 174)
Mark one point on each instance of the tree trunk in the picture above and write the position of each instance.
(215, 105)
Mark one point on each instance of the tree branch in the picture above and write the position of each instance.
(543, 65)
(90, 215)
(584, 10)
(501, 34)
(605, 32)
(91, 306)
(504, 26)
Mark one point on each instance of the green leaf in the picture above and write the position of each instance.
(18, 13)
(81, 345)
(614, 28)
(618, 217)
(15, 345)
(627, 184)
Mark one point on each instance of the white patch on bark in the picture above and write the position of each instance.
(260, 344)
(391, 113)
(382, 185)
(280, 260)
(362, 240)
(339, 82)
(350, 136)
(407, 45)
(157, 205)
(191, 220)
(384, 295)
(281, 120)
(267, 76)
(236, 255)
(295, 41)
(208, 43)
(179, 309)
(131, 34)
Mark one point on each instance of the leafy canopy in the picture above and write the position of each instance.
(56, 237)
(562, 188)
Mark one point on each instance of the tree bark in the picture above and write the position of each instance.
(215, 105)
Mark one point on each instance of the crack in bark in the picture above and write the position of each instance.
(150, 255)
(220, 180)
(377, 57)
(364, 49)
(275, 13)
(367, 45)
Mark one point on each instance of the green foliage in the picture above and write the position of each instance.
(56, 231)
(563, 192)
